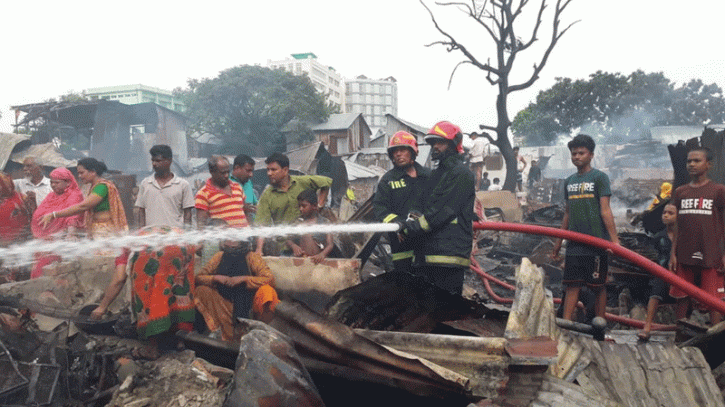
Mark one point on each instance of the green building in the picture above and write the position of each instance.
(133, 94)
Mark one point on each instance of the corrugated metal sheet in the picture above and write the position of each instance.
(618, 370)
(45, 154)
(8, 141)
(642, 374)
(532, 312)
(329, 346)
(338, 121)
(303, 159)
(555, 392)
(357, 171)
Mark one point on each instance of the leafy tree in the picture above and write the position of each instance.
(617, 107)
(247, 106)
(502, 21)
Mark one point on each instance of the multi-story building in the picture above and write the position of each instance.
(325, 78)
(133, 94)
(374, 98)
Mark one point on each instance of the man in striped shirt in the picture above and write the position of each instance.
(219, 198)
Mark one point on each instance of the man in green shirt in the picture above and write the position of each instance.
(278, 203)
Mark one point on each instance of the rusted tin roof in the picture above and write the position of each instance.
(642, 374)
(47, 155)
(8, 141)
(329, 346)
(619, 371)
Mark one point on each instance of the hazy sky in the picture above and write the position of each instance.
(52, 47)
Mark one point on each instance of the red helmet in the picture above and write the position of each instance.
(446, 131)
(404, 139)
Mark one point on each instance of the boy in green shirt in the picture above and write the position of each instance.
(587, 211)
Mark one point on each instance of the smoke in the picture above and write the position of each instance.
(625, 128)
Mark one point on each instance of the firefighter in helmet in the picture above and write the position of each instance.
(397, 191)
(443, 233)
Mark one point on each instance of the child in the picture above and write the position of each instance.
(496, 186)
(587, 211)
(485, 182)
(318, 245)
(658, 288)
(697, 252)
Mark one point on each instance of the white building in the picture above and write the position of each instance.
(133, 94)
(325, 78)
(374, 98)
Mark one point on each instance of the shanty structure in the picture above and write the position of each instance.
(118, 134)
(378, 157)
(342, 133)
(393, 125)
(362, 179)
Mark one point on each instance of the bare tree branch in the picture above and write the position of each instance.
(536, 27)
(471, 13)
(500, 20)
(454, 45)
(555, 36)
(486, 135)
(450, 79)
(486, 127)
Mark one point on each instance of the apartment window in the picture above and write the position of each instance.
(368, 98)
(356, 87)
(388, 100)
(388, 89)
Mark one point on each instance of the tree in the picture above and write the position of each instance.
(617, 107)
(499, 19)
(247, 106)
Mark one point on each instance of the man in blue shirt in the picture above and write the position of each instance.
(242, 171)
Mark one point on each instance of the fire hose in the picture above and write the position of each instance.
(487, 279)
(656, 270)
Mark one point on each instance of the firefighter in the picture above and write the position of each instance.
(397, 190)
(443, 233)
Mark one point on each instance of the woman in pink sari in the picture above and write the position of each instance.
(65, 193)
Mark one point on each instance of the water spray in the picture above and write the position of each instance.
(23, 254)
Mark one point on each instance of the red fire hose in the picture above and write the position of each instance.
(487, 279)
(656, 270)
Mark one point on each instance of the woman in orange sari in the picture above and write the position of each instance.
(162, 291)
(235, 283)
(103, 207)
(65, 193)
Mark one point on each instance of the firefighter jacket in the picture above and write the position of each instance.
(396, 194)
(443, 235)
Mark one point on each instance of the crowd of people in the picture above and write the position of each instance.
(433, 208)
(167, 290)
